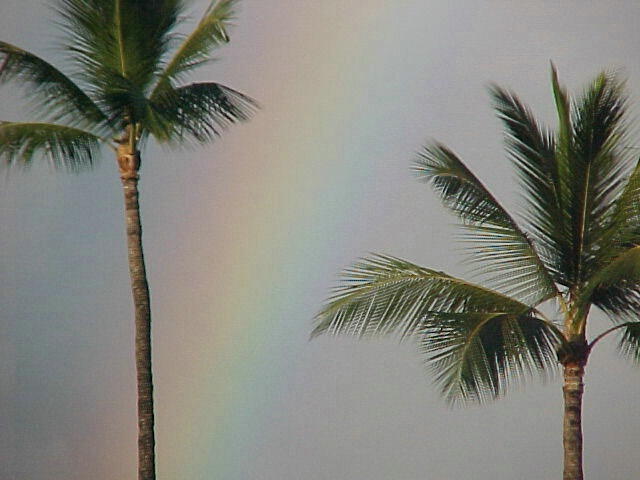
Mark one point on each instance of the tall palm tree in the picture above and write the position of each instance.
(575, 247)
(124, 81)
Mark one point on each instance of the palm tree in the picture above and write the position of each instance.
(577, 246)
(126, 64)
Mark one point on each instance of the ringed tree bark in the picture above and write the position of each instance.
(573, 359)
(129, 166)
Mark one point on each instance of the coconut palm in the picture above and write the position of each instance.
(576, 246)
(126, 63)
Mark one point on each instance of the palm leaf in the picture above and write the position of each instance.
(563, 109)
(533, 154)
(195, 50)
(622, 229)
(197, 112)
(476, 356)
(387, 295)
(128, 37)
(629, 343)
(64, 146)
(477, 340)
(615, 288)
(502, 249)
(54, 94)
(596, 169)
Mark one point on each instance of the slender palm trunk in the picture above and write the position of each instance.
(573, 389)
(129, 164)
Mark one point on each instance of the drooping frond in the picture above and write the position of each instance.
(197, 112)
(500, 247)
(64, 147)
(197, 47)
(477, 340)
(54, 95)
(629, 343)
(476, 356)
(387, 295)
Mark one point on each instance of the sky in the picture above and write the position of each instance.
(245, 237)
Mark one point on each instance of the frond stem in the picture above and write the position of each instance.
(608, 331)
(118, 22)
(583, 221)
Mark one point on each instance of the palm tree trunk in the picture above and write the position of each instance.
(142, 305)
(573, 389)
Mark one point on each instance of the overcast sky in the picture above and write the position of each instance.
(245, 237)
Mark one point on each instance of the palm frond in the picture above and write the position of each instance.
(65, 147)
(386, 295)
(196, 49)
(597, 171)
(533, 154)
(629, 343)
(477, 340)
(127, 37)
(197, 112)
(615, 288)
(477, 356)
(563, 109)
(623, 227)
(54, 95)
(592, 169)
(502, 249)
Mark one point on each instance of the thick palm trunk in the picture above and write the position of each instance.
(129, 165)
(572, 425)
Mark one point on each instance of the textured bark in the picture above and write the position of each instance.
(129, 165)
(573, 389)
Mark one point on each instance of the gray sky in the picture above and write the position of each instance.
(245, 237)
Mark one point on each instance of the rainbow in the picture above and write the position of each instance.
(271, 218)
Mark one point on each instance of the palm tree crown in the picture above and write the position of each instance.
(125, 67)
(576, 245)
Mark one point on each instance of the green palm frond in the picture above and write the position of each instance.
(477, 340)
(198, 112)
(476, 356)
(66, 147)
(563, 109)
(623, 228)
(533, 154)
(196, 49)
(596, 173)
(386, 295)
(629, 343)
(502, 249)
(54, 95)
(572, 182)
(592, 169)
(615, 288)
(597, 126)
(127, 37)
